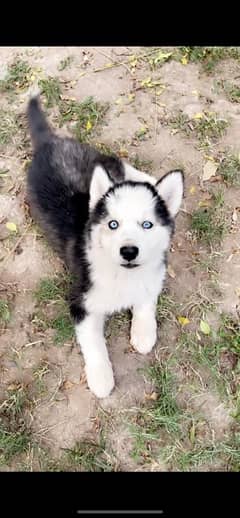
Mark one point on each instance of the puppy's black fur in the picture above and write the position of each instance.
(58, 184)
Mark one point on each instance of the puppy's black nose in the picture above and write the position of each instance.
(129, 252)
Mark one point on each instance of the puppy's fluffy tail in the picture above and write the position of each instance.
(40, 131)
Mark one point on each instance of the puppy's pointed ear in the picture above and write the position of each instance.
(100, 184)
(170, 188)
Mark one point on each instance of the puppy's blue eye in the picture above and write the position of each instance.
(147, 224)
(113, 224)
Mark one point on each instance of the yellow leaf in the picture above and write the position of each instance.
(237, 291)
(208, 157)
(205, 328)
(33, 77)
(194, 92)
(198, 116)
(118, 101)
(88, 126)
(204, 203)
(192, 189)
(152, 396)
(11, 226)
(209, 170)
(184, 60)
(183, 321)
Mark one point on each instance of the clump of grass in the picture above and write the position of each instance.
(14, 433)
(51, 89)
(12, 444)
(162, 414)
(8, 127)
(90, 456)
(166, 308)
(225, 454)
(209, 57)
(4, 312)
(63, 327)
(87, 116)
(51, 288)
(231, 90)
(229, 168)
(208, 224)
(143, 165)
(65, 63)
(208, 128)
(18, 76)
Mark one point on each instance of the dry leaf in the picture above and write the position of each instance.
(209, 170)
(183, 321)
(171, 271)
(192, 190)
(204, 203)
(67, 385)
(11, 226)
(14, 386)
(205, 328)
(151, 396)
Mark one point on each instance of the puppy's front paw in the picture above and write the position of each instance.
(100, 378)
(143, 336)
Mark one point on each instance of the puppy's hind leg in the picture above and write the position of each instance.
(98, 367)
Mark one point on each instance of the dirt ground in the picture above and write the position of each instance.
(179, 407)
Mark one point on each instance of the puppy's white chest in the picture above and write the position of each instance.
(114, 291)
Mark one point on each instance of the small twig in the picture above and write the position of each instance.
(115, 63)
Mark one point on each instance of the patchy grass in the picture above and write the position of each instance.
(53, 291)
(14, 432)
(166, 308)
(18, 76)
(223, 455)
(65, 63)
(218, 353)
(87, 115)
(209, 57)
(90, 456)
(63, 326)
(160, 418)
(232, 91)
(229, 169)
(51, 89)
(4, 312)
(12, 444)
(142, 165)
(8, 127)
(208, 224)
(207, 128)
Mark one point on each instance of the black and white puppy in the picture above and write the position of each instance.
(112, 226)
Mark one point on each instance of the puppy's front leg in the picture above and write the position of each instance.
(144, 328)
(97, 363)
